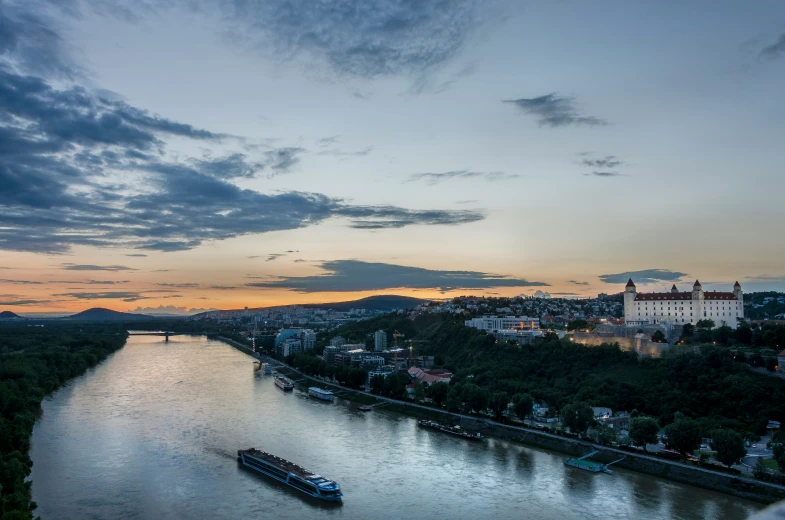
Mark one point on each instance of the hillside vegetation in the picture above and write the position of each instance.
(708, 385)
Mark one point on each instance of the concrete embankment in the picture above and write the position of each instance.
(743, 487)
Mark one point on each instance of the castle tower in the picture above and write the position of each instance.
(697, 299)
(737, 291)
(674, 289)
(629, 297)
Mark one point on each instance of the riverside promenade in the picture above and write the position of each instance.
(736, 485)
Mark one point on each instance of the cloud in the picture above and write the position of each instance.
(356, 275)
(367, 39)
(223, 287)
(541, 294)
(604, 174)
(564, 294)
(110, 295)
(139, 255)
(21, 282)
(168, 309)
(178, 285)
(471, 201)
(274, 256)
(73, 173)
(645, 276)
(28, 40)
(555, 111)
(8, 303)
(609, 161)
(578, 283)
(435, 178)
(775, 50)
(86, 267)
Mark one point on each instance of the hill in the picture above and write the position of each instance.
(101, 314)
(8, 315)
(385, 302)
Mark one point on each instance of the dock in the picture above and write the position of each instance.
(587, 465)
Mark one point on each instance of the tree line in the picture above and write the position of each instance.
(35, 361)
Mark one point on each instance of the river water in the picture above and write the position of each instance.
(153, 433)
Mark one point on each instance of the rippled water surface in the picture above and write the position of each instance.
(153, 433)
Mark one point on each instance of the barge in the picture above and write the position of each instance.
(452, 430)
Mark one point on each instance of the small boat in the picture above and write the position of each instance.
(365, 408)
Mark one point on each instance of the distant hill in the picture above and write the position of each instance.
(384, 302)
(101, 314)
(8, 315)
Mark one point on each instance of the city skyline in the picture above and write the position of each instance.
(208, 155)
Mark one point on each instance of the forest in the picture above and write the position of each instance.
(36, 360)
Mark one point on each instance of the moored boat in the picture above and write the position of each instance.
(284, 383)
(452, 430)
(321, 393)
(290, 474)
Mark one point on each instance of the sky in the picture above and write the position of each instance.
(198, 154)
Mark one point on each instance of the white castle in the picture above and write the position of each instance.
(679, 308)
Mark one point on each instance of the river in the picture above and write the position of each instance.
(153, 433)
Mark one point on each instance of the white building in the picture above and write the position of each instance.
(679, 308)
(524, 337)
(491, 323)
(379, 340)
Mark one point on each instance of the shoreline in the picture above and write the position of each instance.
(736, 485)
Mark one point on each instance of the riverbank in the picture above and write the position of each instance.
(36, 362)
(743, 487)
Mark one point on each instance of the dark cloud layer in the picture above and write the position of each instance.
(644, 276)
(609, 161)
(88, 267)
(555, 111)
(57, 153)
(370, 38)
(576, 282)
(436, 178)
(367, 39)
(355, 275)
(604, 174)
(775, 50)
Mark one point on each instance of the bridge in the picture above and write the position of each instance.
(166, 334)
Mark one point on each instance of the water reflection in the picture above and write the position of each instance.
(153, 433)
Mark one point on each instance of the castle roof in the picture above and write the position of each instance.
(737, 284)
(630, 284)
(681, 296)
(696, 284)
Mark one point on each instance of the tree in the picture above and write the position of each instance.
(606, 435)
(687, 330)
(684, 434)
(478, 399)
(643, 431)
(499, 402)
(778, 449)
(658, 337)
(577, 417)
(439, 392)
(729, 446)
(419, 392)
(705, 324)
(577, 324)
(760, 471)
(523, 405)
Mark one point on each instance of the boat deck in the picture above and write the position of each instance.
(284, 464)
